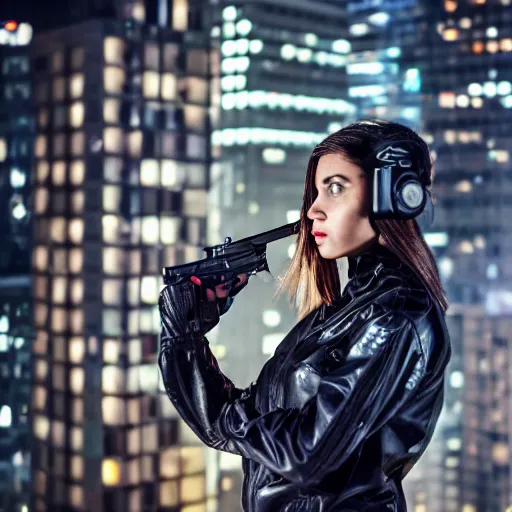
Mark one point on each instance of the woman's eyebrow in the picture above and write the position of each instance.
(326, 180)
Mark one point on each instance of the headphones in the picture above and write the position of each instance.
(400, 180)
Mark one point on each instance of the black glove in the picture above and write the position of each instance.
(185, 310)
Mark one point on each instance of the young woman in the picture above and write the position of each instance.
(349, 401)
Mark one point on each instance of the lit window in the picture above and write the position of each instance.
(506, 45)
(59, 320)
(112, 291)
(134, 143)
(111, 198)
(76, 260)
(41, 427)
(76, 231)
(111, 228)
(111, 111)
(59, 286)
(492, 46)
(59, 172)
(450, 34)
(76, 85)
(113, 380)
(76, 495)
(478, 47)
(149, 290)
(113, 50)
(113, 139)
(77, 291)
(111, 350)
(76, 350)
(180, 15)
(150, 230)
(58, 229)
(169, 86)
(114, 80)
(113, 411)
(197, 90)
(40, 146)
(111, 258)
(447, 99)
(112, 322)
(40, 258)
(194, 203)
(76, 115)
(151, 84)
(112, 169)
(195, 117)
(77, 201)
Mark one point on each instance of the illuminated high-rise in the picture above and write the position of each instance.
(120, 182)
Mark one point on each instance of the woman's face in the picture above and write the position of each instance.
(341, 208)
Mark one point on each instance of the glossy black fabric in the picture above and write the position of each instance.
(345, 407)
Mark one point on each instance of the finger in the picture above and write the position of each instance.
(241, 279)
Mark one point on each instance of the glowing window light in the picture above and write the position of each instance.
(359, 29)
(228, 29)
(256, 46)
(447, 99)
(242, 64)
(274, 156)
(311, 39)
(242, 46)
(336, 60)
(229, 13)
(365, 68)
(18, 178)
(242, 100)
(304, 55)
(393, 52)
(457, 379)
(450, 5)
(228, 48)
(243, 27)
(491, 32)
(379, 18)
(506, 45)
(365, 91)
(341, 46)
(490, 89)
(503, 88)
(110, 472)
(230, 136)
(478, 47)
(477, 102)
(240, 82)
(288, 51)
(5, 416)
(229, 65)
(492, 46)
(321, 58)
(462, 101)
(450, 34)
(507, 101)
(271, 318)
(475, 89)
(465, 23)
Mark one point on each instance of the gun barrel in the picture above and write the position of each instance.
(273, 234)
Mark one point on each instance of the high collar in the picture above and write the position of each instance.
(370, 258)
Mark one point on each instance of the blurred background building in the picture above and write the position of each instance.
(133, 133)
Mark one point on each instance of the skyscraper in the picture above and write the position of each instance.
(120, 184)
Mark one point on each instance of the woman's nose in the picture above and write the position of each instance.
(314, 212)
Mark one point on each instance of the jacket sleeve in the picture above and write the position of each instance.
(356, 398)
(197, 388)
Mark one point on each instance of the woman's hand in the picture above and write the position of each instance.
(224, 290)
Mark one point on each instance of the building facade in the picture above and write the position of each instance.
(121, 165)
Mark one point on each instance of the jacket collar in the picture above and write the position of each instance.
(371, 258)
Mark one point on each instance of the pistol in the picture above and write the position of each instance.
(225, 261)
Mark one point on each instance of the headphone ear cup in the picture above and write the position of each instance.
(426, 218)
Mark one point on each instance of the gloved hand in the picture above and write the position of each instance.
(189, 310)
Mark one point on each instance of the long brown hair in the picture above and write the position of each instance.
(312, 280)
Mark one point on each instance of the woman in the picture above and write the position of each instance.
(349, 401)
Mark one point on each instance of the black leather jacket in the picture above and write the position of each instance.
(345, 407)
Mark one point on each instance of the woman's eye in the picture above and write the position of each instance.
(339, 185)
